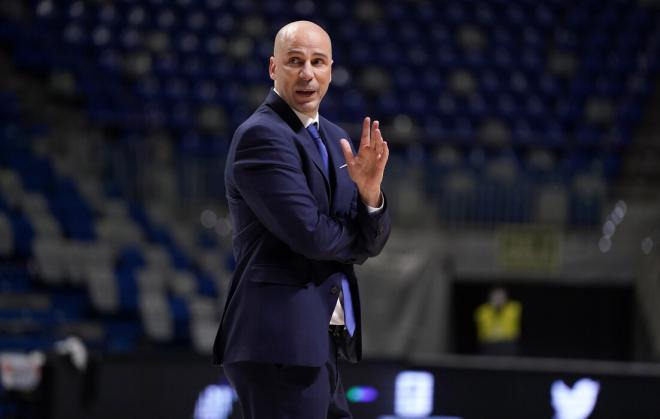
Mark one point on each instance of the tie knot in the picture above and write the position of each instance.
(313, 131)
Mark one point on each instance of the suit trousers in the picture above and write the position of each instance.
(277, 391)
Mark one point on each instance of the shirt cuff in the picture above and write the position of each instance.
(374, 210)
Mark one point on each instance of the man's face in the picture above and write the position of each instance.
(498, 297)
(301, 66)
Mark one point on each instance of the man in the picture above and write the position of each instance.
(304, 209)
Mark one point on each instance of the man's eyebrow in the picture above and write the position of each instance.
(299, 51)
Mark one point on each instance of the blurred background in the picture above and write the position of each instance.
(522, 277)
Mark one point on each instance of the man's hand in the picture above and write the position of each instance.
(366, 168)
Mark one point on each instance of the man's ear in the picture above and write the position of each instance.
(271, 68)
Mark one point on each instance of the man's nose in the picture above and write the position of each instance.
(306, 72)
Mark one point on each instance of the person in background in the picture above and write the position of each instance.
(498, 324)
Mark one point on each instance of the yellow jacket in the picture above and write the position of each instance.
(501, 325)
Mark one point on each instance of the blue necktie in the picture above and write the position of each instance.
(314, 133)
(349, 317)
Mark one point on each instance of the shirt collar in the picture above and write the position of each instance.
(305, 119)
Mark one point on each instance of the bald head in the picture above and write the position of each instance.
(300, 28)
(301, 65)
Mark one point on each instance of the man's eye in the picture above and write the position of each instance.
(294, 60)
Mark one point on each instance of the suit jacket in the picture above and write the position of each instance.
(295, 231)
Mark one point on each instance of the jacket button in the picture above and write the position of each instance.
(334, 290)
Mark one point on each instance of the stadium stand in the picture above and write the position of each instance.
(490, 80)
(515, 112)
(509, 121)
(75, 263)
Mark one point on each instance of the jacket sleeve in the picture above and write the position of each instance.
(267, 173)
(374, 228)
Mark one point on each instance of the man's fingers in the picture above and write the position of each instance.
(365, 140)
(348, 152)
(377, 139)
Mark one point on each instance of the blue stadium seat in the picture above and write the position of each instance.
(23, 235)
(181, 317)
(128, 290)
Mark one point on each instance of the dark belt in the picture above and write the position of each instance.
(337, 331)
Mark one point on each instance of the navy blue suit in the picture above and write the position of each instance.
(294, 232)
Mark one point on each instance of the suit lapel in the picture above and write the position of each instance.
(274, 101)
(312, 151)
(337, 160)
